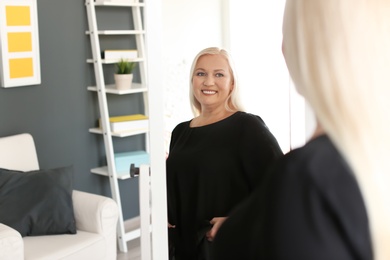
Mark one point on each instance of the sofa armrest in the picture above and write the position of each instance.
(95, 213)
(11, 244)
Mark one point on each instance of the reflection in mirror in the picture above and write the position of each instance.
(252, 32)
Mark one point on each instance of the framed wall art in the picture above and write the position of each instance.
(19, 43)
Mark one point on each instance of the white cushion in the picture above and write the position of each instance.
(11, 244)
(82, 246)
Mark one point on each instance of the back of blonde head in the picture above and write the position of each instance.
(338, 55)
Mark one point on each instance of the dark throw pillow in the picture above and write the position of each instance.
(38, 202)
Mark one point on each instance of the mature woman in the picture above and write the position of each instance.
(331, 198)
(216, 159)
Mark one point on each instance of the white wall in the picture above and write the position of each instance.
(255, 42)
(188, 27)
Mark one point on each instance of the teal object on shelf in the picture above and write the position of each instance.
(124, 160)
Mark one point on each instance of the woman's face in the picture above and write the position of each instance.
(212, 81)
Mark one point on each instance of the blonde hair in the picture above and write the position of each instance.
(338, 55)
(232, 103)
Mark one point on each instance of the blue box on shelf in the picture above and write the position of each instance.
(124, 160)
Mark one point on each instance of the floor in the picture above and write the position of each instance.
(133, 246)
(133, 251)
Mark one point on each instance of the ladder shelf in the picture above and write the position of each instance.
(102, 89)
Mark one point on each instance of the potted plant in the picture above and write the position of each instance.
(124, 74)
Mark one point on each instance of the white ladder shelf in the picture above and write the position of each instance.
(102, 89)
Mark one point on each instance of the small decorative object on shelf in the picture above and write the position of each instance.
(124, 74)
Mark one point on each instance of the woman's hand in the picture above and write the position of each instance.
(171, 226)
(216, 222)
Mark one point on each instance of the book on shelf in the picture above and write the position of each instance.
(124, 160)
(127, 122)
(119, 54)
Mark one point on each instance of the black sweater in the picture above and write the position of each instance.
(308, 208)
(212, 168)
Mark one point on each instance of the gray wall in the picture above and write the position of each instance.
(59, 111)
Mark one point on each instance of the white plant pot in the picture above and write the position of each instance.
(123, 81)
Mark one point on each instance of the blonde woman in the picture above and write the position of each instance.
(215, 160)
(337, 207)
(339, 58)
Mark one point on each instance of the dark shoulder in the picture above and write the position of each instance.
(249, 122)
(180, 127)
(179, 130)
(306, 158)
(318, 161)
(248, 118)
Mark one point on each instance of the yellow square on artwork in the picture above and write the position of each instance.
(18, 15)
(21, 68)
(19, 42)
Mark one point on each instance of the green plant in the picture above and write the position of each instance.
(125, 67)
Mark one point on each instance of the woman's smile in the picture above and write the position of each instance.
(209, 92)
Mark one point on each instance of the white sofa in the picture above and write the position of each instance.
(96, 217)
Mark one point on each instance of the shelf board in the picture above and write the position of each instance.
(110, 89)
(133, 228)
(118, 32)
(122, 133)
(112, 61)
(104, 171)
(120, 4)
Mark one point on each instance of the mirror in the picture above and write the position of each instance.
(252, 32)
